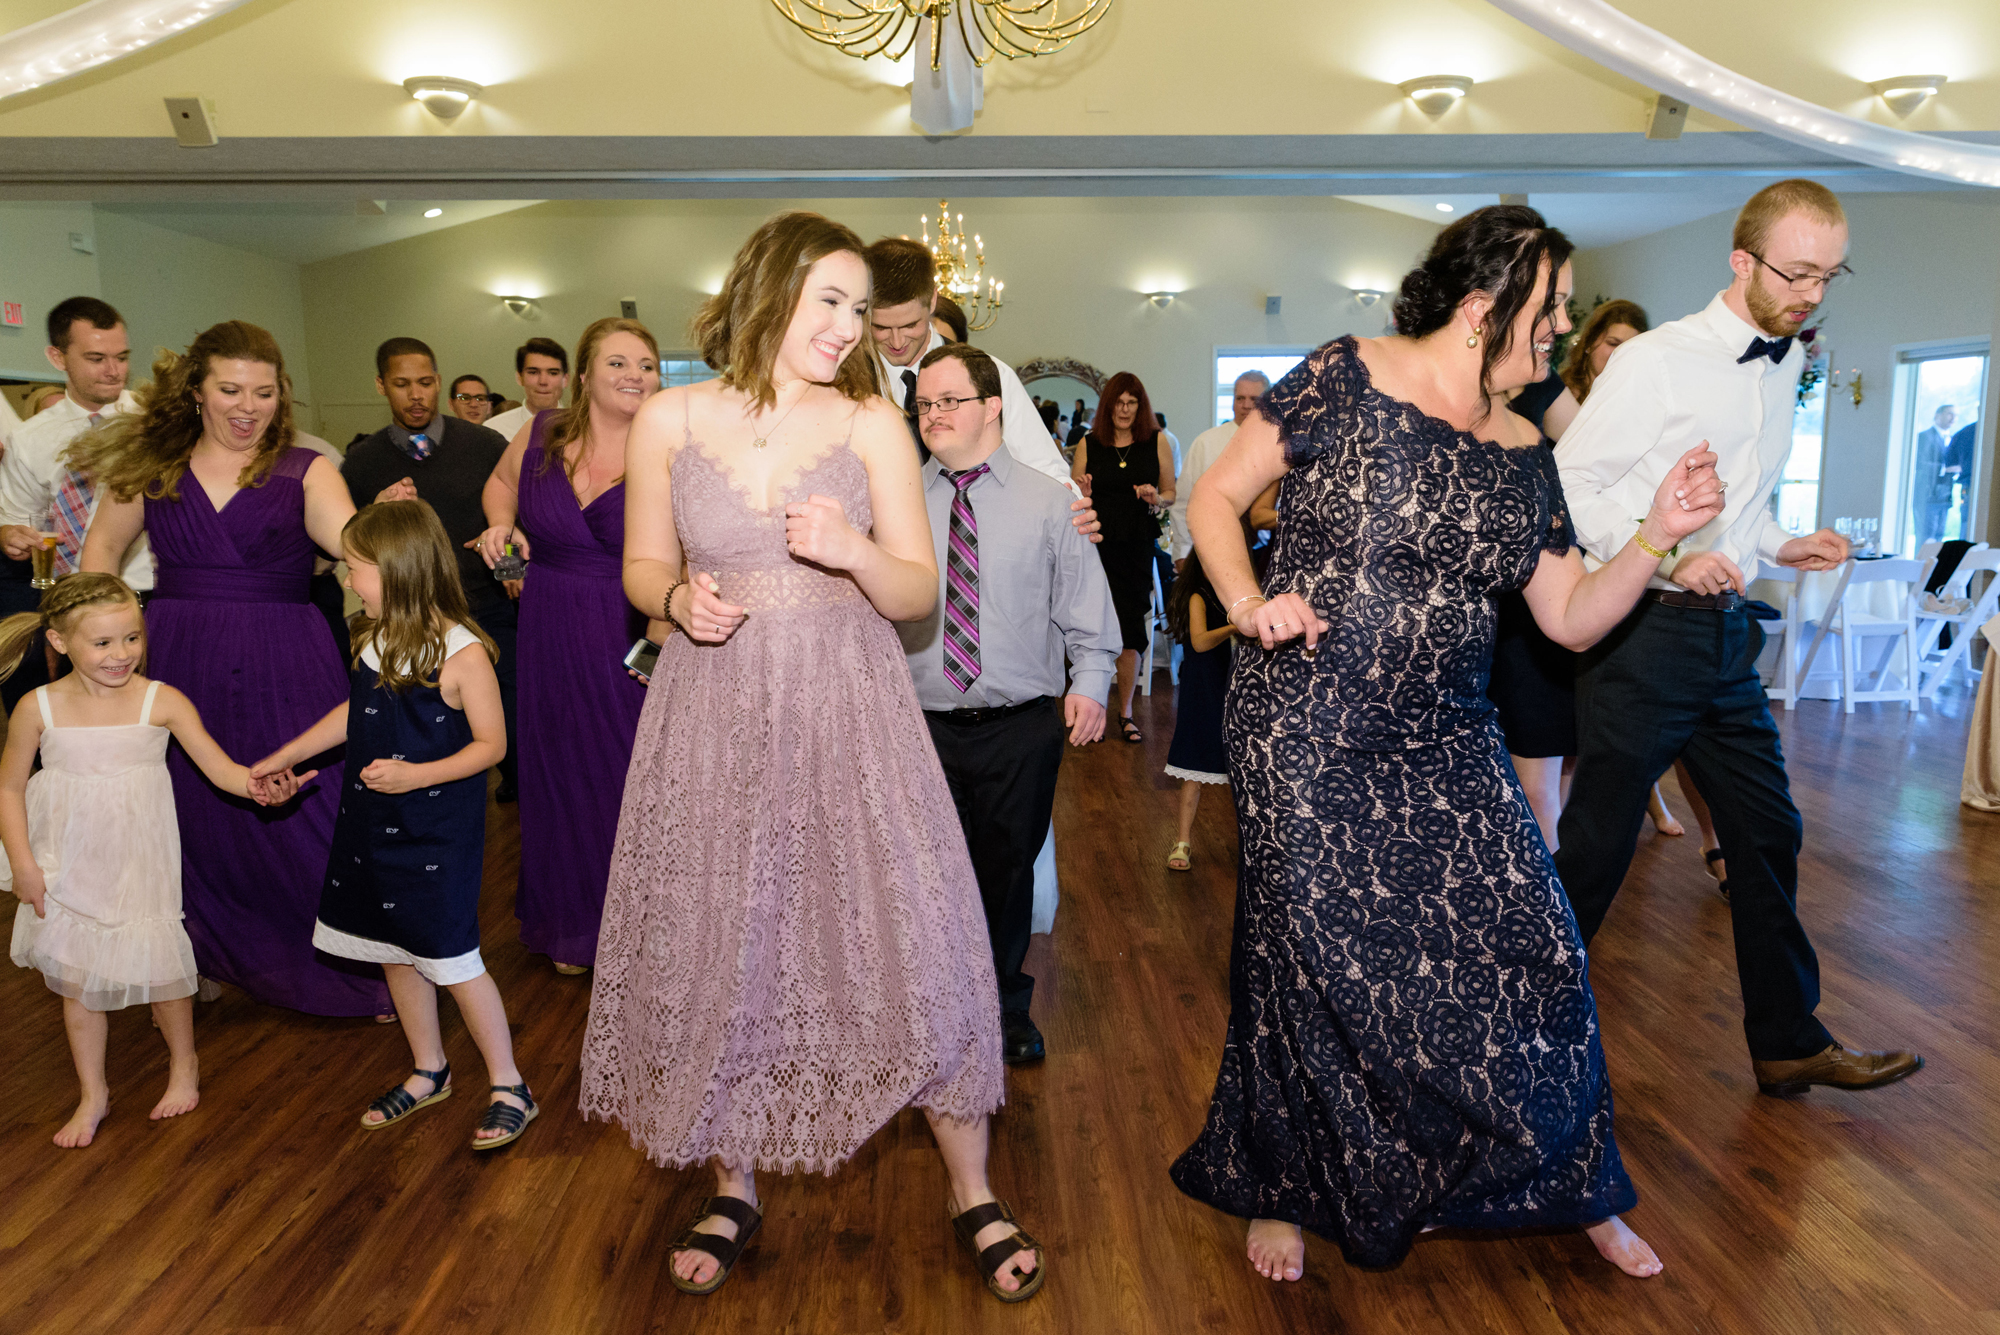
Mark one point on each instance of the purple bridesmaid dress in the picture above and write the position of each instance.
(579, 710)
(229, 624)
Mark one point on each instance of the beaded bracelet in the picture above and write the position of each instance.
(667, 606)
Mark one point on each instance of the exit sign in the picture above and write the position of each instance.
(10, 313)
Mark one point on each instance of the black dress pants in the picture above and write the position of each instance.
(502, 621)
(1675, 681)
(1002, 776)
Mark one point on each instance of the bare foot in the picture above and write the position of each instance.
(500, 1096)
(698, 1267)
(1624, 1248)
(1013, 1272)
(1277, 1249)
(418, 1086)
(81, 1128)
(183, 1092)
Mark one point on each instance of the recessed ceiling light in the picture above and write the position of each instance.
(1445, 208)
(434, 213)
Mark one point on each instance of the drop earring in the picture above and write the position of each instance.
(1472, 341)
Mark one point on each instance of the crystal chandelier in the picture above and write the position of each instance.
(1012, 28)
(961, 269)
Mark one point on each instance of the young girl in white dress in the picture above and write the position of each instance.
(93, 850)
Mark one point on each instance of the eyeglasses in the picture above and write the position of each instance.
(1804, 282)
(470, 398)
(948, 404)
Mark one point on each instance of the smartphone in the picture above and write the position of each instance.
(642, 657)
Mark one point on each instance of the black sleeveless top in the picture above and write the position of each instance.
(1125, 518)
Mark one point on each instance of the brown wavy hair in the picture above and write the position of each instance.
(1144, 424)
(146, 453)
(1576, 372)
(61, 606)
(572, 424)
(421, 594)
(740, 328)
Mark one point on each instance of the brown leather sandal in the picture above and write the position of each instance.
(747, 1219)
(967, 1227)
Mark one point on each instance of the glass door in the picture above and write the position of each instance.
(1941, 447)
(1796, 501)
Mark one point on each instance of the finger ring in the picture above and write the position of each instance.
(1720, 485)
(1275, 625)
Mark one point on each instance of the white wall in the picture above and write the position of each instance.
(1927, 268)
(1076, 271)
(168, 286)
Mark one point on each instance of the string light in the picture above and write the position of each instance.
(1593, 28)
(94, 34)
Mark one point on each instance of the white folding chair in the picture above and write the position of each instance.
(1855, 628)
(1791, 642)
(1935, 665)
(1158, 631)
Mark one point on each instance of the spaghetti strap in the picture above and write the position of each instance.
(42, 700)
(687, 419)
(852, 418)
(146, 709)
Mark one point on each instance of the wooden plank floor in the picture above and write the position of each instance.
(269, 1210)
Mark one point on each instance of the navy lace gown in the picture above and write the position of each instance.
(1412, 1040)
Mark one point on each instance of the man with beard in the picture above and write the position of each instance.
(1679, 676)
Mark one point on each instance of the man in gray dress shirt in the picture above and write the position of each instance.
(1019, 589)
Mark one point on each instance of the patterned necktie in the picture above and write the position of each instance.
(1774, 348)
(961, 584)
(69, 517)
(420, 446)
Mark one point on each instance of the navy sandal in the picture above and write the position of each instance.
(399, 1103)
(967, 1227)
(506, 1117)
(741, 1213)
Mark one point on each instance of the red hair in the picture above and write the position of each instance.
(1144, 424)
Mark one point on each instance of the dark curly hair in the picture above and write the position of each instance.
(1498, 250)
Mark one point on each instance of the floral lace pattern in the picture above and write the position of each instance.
(793, 945)
(1412, 1039)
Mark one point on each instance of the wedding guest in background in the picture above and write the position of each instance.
(1934, 477)
(471, 400)
(948, 319)
(558, 494)
(1079, 424)
(207, 466)
(1204, 450)
(542, 367)
(785, 804)
(425, 455)
(1127, 468)
(1679, 678)
(1019, 589)
(1959, 461)
(1197, 755)
(40, 493)
(39, 400)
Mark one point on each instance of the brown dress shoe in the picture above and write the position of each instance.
(1843, 1068)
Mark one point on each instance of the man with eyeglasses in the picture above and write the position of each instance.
(471, 400)
(1679, 677)
(1019, 588)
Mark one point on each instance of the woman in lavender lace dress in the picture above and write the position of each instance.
(793, 946)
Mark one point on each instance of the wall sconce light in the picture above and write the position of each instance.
(1436, 94)
(442, 96)
(1853, 385)
(518, 305)
(1911, 91)
(1161, 298)
(1368, 296)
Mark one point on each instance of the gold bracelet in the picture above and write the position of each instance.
(1648, 548)
(1239, 602)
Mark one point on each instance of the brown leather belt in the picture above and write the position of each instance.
(1731, 601)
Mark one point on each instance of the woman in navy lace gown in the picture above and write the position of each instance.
(1412, 1041)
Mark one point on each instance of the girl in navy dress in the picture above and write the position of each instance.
(1197, 755)
(422, 725)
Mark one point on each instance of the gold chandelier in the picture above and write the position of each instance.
(1015, 29)
(961, 269)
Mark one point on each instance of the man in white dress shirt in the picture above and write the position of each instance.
(1679, 677)
(1204, 450)
(542, 367)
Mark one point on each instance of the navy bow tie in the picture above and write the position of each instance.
(1774, 348)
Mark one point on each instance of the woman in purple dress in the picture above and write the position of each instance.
(558, 494)
(208, 470)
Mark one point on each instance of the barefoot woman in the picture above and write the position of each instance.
(793, 948)
(1412, 1042)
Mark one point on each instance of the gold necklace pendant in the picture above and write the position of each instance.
(1121, 463)
(759, 443)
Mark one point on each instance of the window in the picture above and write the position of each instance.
(1940, 392)
(1233, 362)
(1796, 501)
(683, 368)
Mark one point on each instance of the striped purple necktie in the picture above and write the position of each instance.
(961, 585)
